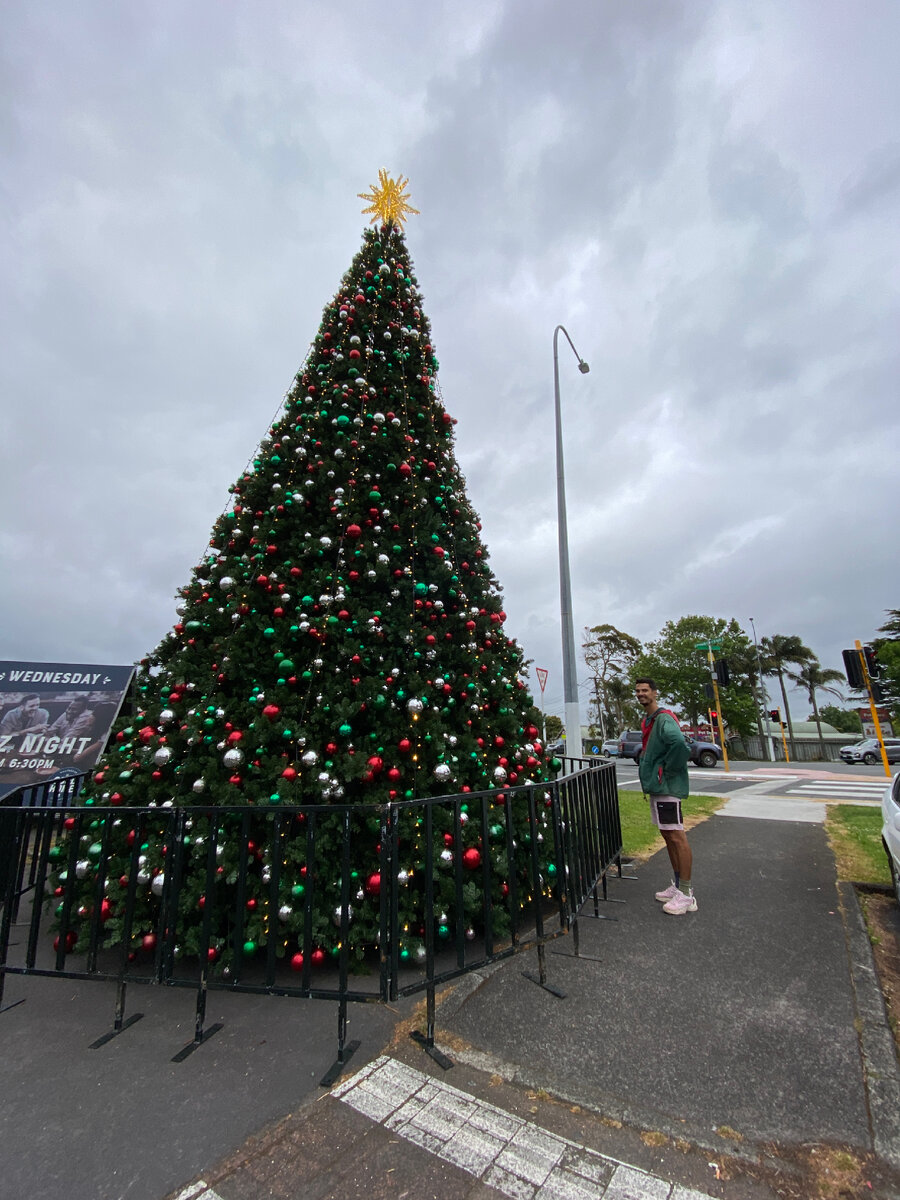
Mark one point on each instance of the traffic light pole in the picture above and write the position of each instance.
(874, 710)
(715, 687)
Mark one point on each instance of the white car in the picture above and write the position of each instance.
(890, 830)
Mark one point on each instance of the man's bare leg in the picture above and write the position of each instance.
(680, 855)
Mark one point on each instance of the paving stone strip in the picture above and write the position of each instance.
(512, 1155)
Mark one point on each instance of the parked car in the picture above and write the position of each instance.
(890, 830)
(558, 747)
(704, 754)
(610, 747)
(630, 743)
(868, 751)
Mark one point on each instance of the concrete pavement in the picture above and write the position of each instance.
(713, 1055)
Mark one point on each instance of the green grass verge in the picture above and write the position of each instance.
(640, 837)
(855, 837)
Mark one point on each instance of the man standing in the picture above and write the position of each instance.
(26, 717)
(664, 780)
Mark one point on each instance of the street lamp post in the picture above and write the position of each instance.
(570, 681)
(762, 687)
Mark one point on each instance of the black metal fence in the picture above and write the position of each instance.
(548, 848)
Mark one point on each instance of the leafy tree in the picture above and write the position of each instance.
(608, 653)
(887, 650)
(623, 705)
(815, 678)
(844, 720)
(778, 652)
(682, 671)
(554, 727)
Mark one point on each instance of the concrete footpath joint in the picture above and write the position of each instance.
(513, 1156)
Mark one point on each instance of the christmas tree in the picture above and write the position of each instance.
(341, 642)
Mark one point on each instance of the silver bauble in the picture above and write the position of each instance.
(233, 758)
(336, 915)
(82, 868)
(499, 774)
(415, 705)
(226, 583)
(403, 876)
(162, 756)
(442, 772)
(447, 856)
(157, 884)
(285, 912)
(309, 758)
(166, 716)
(198, 785)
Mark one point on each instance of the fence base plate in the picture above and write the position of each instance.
(192, 1046)
(108, 1037)
(546, 986)
(432, 1051)
(338, 1065)
(578, 957)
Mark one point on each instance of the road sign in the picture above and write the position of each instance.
(711, 645)
(541, 673)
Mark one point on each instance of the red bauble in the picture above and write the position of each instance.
(297, 962)
(271, 711)
(318, 956)
(471, 858)
(404, 745)
(394, 773)
(148, 941)
(354, 531)
(234, 737)
(70, 941)
(373, 883)
(289, 773)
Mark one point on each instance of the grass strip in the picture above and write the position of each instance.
(855, 837)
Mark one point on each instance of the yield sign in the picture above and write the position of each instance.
(541, 673)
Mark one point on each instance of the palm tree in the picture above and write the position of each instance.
(777, 652)
(814, 677)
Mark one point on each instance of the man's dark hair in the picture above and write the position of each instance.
(646, 679)
(30, 696)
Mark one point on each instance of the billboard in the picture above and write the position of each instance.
(55, 718)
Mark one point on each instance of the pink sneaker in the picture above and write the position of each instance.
(669, 894)
(680, 904)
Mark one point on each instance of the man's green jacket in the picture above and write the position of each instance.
(663, 765)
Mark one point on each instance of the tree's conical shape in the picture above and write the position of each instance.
(342, 639)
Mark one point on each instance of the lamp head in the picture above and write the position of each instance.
(583, 367)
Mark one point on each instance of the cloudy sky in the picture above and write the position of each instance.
(704, 192)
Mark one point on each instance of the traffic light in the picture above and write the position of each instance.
(722, 673)
(775, 715)
(853, 670)
(873, 666)
(710, 691)
(713, 716)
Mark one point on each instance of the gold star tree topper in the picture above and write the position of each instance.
(388, 200)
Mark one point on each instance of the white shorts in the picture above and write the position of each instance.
(666, 812)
